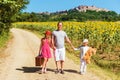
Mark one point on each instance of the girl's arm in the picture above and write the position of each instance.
(41, 42)
(50, 43)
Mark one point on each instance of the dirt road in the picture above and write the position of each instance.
(18, 64)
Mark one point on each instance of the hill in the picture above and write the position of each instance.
(80, 13)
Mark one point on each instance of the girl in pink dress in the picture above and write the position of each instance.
(45, 50)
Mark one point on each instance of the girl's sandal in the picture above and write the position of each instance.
(40, 72)
(45, 70)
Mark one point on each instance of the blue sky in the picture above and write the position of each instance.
(59, 5)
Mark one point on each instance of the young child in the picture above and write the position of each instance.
(45, 50)
(85, 54)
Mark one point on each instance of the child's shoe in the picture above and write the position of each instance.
(45, 70)
(41, 72)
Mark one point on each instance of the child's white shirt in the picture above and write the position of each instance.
(83, 50)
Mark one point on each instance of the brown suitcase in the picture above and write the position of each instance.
(38, 61)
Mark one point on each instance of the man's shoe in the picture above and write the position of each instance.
(57, 71)
(62, 72)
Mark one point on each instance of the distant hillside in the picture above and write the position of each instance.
(80, 13)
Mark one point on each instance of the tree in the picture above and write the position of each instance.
(8, 9)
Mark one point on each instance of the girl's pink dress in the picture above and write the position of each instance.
(45, 49)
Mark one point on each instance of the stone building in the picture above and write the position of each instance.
(93, 8)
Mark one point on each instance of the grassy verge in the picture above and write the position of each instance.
(4, 39)
(104, 74)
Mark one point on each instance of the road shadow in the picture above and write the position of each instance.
(32, 69)
(71, 71)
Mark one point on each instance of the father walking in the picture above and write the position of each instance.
(58, 41)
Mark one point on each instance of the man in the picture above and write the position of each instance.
(58, 40)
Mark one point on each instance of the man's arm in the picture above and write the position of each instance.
(68, 40)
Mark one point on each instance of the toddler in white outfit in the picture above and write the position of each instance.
(83, 49)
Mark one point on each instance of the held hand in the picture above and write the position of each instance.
(54, 48)
(76, 49)
(73, 47)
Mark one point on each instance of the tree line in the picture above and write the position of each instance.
(70, 15)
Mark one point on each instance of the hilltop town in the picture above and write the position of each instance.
(93, 8)
(81, 8)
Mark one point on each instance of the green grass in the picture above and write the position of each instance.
(4, 38)
(104, 74)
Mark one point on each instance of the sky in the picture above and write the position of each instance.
(59, 5)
